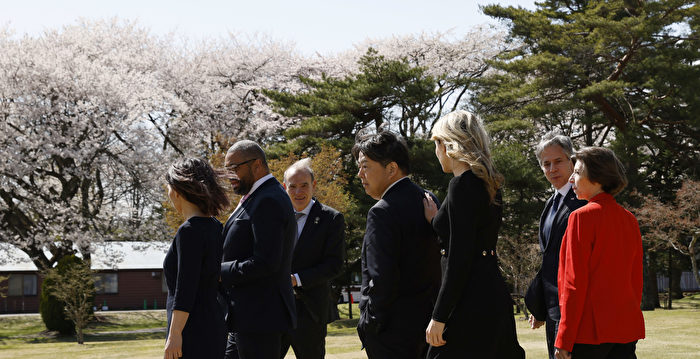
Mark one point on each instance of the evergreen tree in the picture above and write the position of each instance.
(383, 93)
(618, 73)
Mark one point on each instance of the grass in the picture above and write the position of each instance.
(670, 334)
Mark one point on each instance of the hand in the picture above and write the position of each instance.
(294, 281)
(433, 334)
(429, 207)
(534, 323)
(561, 354)
(173, 347)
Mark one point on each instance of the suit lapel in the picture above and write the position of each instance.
(311, 224)
(233, 216)
(240, 208)
(562, 212)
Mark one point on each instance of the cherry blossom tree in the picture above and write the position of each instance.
(78, 151)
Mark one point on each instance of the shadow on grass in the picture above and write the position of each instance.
(342, 327)
(690, 300)
(53, 337)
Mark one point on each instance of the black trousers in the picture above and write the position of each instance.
(605, 351)
(308, 340)
(552, 327)
(253, 346)
(393, 343)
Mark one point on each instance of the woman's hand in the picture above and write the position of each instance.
(534, 323)
(433, 334)
(429, 207)
(173, 347)
(561, 354)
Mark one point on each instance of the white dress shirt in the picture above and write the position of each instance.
(300, 227)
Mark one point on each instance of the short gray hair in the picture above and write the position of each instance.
(554, 138)
(303, 164)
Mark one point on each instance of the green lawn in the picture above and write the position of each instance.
(670, 334)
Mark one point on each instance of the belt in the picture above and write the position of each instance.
(484, 253)
(488, 252)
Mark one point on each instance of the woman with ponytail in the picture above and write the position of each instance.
(473, 314)
(196, 327)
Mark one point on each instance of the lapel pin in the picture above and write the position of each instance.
(316, 220)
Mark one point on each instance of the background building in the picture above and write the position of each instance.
(129, 275)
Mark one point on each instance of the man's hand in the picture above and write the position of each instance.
(294, 280)
(433, 334)
(534, 323)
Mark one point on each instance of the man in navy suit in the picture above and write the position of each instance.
(400, 253)
(258, 242)
(554, 155)
(318, 258)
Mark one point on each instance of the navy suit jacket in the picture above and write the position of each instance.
(542, 298)
(257, 259)
(400, 263)
(318, 258)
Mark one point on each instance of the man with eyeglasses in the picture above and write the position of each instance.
(258, 242)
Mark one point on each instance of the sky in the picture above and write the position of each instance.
(314, 26)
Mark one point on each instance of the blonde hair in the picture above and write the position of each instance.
(466, 140)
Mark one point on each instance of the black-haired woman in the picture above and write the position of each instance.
(196, 327)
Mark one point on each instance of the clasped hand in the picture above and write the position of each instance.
(433, 334)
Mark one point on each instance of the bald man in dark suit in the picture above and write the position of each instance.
(317, 259)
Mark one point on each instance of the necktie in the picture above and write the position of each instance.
(298, 215)
(239, 204)
(549, 220)
(555, 204)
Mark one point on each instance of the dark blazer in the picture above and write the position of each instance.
(600, 276)
(191, 270)
(542, 296)
(257, 259)
(472, 289)
(400, 264)
(318, 258)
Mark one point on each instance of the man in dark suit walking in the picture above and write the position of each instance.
(554, 155)
(318, 258)
(400, 253)
(258, 241)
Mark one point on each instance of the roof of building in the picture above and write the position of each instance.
(105, 256)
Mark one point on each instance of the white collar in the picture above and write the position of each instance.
(258, 183)
(564, 189)
(392, 185)
(307, 209)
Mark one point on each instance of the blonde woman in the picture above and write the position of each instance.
(473, 315)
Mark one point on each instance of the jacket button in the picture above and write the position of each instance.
(442, 252)
(483, 253)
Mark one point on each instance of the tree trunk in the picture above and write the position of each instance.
(79, 334)
(650, 291)
(349, 303)
(669, 273)
(693, 259)
(676, 291)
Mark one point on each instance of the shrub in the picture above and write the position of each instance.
(53, 310)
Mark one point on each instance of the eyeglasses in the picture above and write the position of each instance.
(234, 167)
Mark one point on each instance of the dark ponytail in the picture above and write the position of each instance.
(196, 181)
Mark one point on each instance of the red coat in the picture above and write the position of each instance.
(600, 276)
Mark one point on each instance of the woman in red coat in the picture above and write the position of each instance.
(600, 265)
